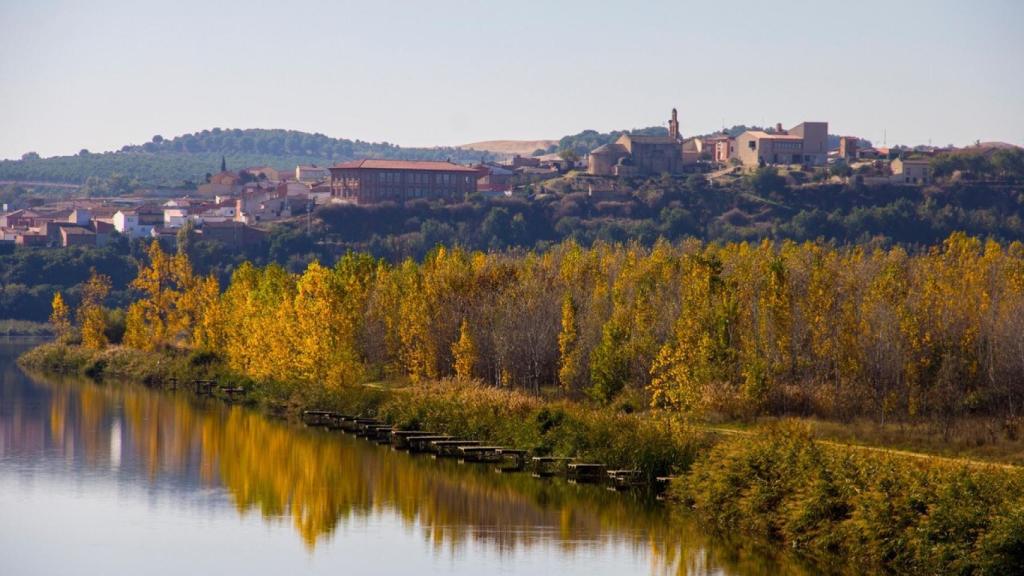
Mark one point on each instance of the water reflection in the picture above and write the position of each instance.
(317, 480)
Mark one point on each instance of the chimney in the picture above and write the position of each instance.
(778, 128)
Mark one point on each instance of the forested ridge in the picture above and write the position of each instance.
(185, 160)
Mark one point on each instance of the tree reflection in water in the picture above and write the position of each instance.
(319, 479)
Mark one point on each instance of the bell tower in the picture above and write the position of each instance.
(673, 125)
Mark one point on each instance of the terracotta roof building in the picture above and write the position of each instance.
(371, 181)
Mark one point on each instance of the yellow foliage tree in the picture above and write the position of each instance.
(91, 317)
(569, 369)
(59, 318)
(175, 302)
(464, 352)
(758, 328)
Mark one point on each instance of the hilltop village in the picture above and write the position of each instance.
(235, 207)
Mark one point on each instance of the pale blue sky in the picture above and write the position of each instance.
(105, 73)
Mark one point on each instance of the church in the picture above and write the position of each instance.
(640, 155)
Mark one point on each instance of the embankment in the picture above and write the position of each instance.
(849, 509)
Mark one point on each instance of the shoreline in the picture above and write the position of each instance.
(836, 506)
(656, 445)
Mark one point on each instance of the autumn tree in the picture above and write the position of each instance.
(173, 303)
(464, 352)
(59, 318)
(740, 329)
(90, 315)
(569, 371)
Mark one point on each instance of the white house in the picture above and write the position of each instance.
(127, 223)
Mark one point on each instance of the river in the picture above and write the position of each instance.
(120, 479)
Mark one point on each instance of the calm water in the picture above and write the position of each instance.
(119, 479)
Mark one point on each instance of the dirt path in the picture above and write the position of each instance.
(889, 451)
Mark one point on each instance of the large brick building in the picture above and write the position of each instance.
(371, 181)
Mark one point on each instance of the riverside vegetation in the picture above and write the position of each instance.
(618, 352)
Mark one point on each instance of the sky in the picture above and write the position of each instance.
(104, 73)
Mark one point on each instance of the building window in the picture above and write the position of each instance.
(752, 144)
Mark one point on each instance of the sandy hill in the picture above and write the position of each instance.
(521, 147)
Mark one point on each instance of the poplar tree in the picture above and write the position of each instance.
(464, 353)
(91, 317)
(59, 318)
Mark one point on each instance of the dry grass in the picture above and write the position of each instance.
(980, 439)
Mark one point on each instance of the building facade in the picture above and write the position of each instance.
(912, 171)
(848, 147)
(805, 144)
(640, 155)
(311, 174)
(372, 181)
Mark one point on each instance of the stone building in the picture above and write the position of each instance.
(311, 174)
(75, 235)
(805, 144)
(639, 155)
(911, 171)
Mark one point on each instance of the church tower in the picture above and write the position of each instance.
(673, 126)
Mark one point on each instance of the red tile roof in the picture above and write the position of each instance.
(404, 165)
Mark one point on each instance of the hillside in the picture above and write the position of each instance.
(520, 147)
(185, 160)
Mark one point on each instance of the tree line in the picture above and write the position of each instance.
(739, 329)
(764, 205)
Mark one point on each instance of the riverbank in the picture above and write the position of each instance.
(655, 444)
(847, 508)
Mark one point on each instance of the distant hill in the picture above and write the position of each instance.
(521, 147)
(185, 160)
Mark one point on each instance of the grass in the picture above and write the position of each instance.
(871, 512)
(981, 439)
